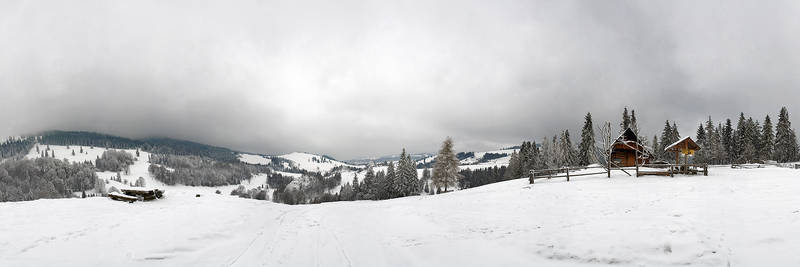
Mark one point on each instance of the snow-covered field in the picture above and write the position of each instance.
(736, 217)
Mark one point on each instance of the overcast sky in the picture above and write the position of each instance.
(365, 78)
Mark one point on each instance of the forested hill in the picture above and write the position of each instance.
(153, 145)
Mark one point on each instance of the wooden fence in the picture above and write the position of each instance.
(662, 170)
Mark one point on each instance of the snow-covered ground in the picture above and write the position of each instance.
(736, 217)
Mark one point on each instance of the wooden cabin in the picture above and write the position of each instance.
(686, 146)
(627, 151)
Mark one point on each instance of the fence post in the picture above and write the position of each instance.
(637, 170)
(671, 171)
(567, 168)
(533, 173)
(705, 170)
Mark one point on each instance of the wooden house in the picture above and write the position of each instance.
(627, 151)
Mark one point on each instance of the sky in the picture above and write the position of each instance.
(355, 79)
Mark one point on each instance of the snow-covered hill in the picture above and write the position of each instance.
(254, 159)
(314, 163)
(479, 160)
(138, 169)
(734, 217)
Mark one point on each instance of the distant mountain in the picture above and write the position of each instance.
(159, 145)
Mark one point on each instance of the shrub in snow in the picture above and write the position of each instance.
(140, 182)
(218, 192)
(239, 191)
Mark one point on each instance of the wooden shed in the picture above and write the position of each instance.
(627, 151)
(685, 146)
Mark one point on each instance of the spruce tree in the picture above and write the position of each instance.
(391, 183)
(513, 166)
(570, 155)
(666, 136)
(739, 140)
(634, 125)
(586, 147)
(700, 156)
(368, 187)
(626, 121)
(727, 141)
(767, 139)
(785, 139)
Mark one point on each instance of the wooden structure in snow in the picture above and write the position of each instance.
(686, 147)
(121, 197)
(627, 151)
(134, 194)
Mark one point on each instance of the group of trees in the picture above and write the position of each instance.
(311, 187)
(200, 171)
(399, 180)
(114, 161)
(29, 179)
(749, 142)
(478, 177)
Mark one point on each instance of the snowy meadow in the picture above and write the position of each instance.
(736, 217)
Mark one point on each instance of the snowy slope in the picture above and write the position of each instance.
(138, 169)
(734, 217)
(254, 159)
(473, 162)
(311, 162)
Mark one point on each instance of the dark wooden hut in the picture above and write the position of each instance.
(627, 151)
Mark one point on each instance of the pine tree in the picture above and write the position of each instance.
(413, 177)
(739, 140)
(445, 170)
(356, 186)
(700, 156)
(785, 139)
(368, 186)
(675, 134)
(626, 120)
(586, 147)
(513, 166)
(727, 141)
(634, 125)
(767, 139)
(666, 136)
(391, 184)
(569, 151)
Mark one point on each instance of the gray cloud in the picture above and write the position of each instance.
(364, 78)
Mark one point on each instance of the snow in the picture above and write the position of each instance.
(254, 159)
(736, 217)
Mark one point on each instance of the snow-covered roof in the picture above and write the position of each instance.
(681, 140)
